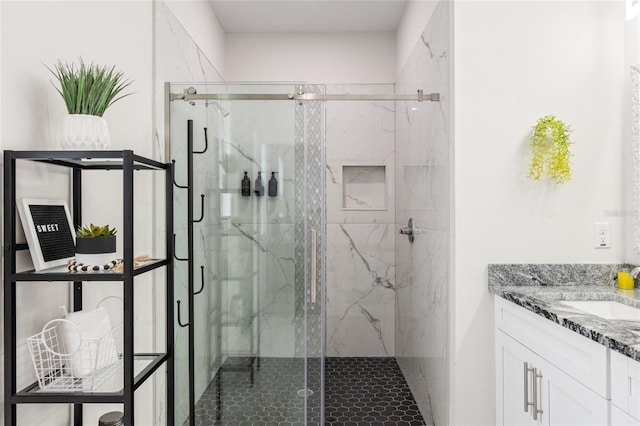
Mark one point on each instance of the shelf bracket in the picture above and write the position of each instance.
(174, 251)
(201, 281)
(173, 171)
(206, 143)
(179, 316)
(201, 209)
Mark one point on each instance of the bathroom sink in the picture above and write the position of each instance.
(606, 309)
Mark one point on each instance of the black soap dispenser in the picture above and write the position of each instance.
(273, 185)
(246, 186)
(259, 185)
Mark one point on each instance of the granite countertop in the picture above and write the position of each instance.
(542, 288)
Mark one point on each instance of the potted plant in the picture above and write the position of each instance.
(95, 245)
(551, 144)
(87, 90)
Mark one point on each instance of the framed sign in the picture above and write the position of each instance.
(47, 226)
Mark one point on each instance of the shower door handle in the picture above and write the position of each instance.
(314, 283)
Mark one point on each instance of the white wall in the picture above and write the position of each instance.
(515, 62)
(632, 56)
(414, 17)
(37, 33)
(312, 57)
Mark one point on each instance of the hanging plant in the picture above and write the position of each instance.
(551, 150)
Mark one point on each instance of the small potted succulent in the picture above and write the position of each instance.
(87, 90)
(95, 245)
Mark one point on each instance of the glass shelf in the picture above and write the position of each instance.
(144, 365)
(88, 160)
(61, 273)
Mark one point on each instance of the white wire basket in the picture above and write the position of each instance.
(82, 368)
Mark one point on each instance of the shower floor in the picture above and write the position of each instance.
(358, 392)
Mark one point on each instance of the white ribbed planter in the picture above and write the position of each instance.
(85, 132)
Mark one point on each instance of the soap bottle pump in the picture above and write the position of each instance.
(246, 186)
(273, 185)
(259, 186)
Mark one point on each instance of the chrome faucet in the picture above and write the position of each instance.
(635, 272)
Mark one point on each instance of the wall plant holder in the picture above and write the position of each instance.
(551, 143)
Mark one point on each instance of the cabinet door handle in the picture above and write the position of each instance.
(526, 387)
(536, 410)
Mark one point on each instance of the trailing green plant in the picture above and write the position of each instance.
(89, 89)
(95, 231)
(551, 144)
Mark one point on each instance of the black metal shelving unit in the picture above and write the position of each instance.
(81, 162)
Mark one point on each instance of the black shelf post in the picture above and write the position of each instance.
(192, 349)
(127, 191)
(9, 287)
(77, 285)
(170, 295)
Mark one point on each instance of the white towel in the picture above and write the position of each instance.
(92, 354)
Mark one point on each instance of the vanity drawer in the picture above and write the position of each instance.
(625, 384)
(581, 358)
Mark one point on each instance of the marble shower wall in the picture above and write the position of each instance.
(257, 235)
(423, 167)
(178, 58)
(360, 273)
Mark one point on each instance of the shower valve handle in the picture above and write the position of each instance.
(409, 230)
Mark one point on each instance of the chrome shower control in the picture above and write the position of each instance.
(409, 230)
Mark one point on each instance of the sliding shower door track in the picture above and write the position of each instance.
(191, 94)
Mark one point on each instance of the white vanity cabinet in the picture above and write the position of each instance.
(513, 385)
(625, 390)
(545, 369)
(620, 418)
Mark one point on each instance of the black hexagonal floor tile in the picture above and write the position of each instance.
(360, 391)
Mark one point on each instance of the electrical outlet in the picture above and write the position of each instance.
(601, 235)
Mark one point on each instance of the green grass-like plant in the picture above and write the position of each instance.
(95, 231)
(89, 89)
(551, 144)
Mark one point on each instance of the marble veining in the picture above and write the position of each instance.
(360, 290)
(240, 151)
(511, 282)
(331, 175)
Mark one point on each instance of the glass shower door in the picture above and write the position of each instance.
(257, 263)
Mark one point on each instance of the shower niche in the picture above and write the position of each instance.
(364, 187)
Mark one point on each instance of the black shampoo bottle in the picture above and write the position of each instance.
(246, 185)
(259, 186)
(273, 185)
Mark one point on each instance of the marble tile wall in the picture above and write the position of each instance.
(178, 58)
(257, 238)
(360, 272)
(423, 168)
